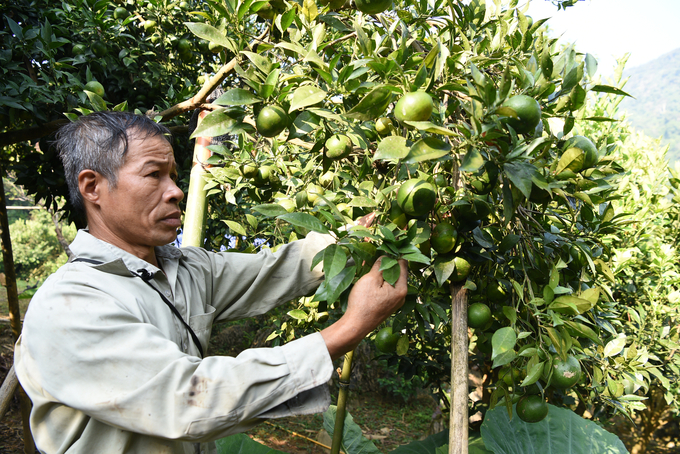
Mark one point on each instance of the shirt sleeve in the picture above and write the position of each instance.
(244, 285)
(84, 349)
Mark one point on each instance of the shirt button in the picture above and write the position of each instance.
(167, 294)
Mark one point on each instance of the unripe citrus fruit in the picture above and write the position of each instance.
(589, 149)
(479, 315)
(532, 408)
(565, 373)
(386, 341)
(383, 126)
(150, 25)
(484, 180)
(326, 180)
(95, 87)
(372, 6)
(99, 49)
(120, 13)
(416, 197)
(497, 291)
(397, 215)
(444, 237)
(249, 169)
(313, 193)
(288, 204)
(338, 146)
(78, 49)
(271, 121)
(414, 106)
(528, 112)
(266, 175)
(184, 46)
(462, 270)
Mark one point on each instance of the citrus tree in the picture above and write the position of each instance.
(455, 123)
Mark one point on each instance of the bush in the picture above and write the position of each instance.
(37, 252)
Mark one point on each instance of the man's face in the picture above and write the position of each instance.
(142, 211)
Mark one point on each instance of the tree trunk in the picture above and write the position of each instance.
(458, 421)
(14, 313)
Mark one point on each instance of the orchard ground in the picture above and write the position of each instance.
(385, 414)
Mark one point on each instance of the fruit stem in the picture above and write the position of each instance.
(342, 403)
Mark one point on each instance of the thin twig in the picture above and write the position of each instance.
(298, 435)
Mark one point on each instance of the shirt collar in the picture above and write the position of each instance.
(117, 261)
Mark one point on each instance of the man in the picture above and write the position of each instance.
(111, 349)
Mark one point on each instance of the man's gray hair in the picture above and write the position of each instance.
(99, 142)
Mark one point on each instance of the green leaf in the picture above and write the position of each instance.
(205, 31)
(334, 261)
(472, 161)
(391, 274)
(503, 435)
(304, 125)
(237, 97)
(570, 305)
(242, 444)
(372, 105)
(298, 314)
(502, 342)
(443, 268)
(615, 346)
(235, 227)
(270, 210)
(304, 220)
(418, 232)
(584, 331)
(509, 242)
(353, 440)
(521, 174)
(339, 283)
(262, 63)
(305, 96)
(97, 102)
(427, 149)
(216, 123)
(392, 148)
(426, 446)
(610, 89)
(428, 126)
(362, 202)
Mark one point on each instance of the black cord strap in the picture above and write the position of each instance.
(145, 276)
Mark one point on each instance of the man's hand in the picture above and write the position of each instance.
(371, 301)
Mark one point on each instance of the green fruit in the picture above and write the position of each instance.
(150, 25)
(372, 6)
(271, 121)
(462, 270)
(532, 408)
(338, 146)
(397, 215)
(386, 341)
(266, 175)
(497, 291)
(288, 204)
(510, 376)
(384, 126)
(565, 373)
(78, 49)
(414, 106)
(528, 112)
(184, 46)
(590, 155)
(484, 180)
(214, 47)
(95, 87)
(326, 180)
(120, 13)
(479, 315)
(313, 193)
(444, 237)
(416, 197)
(99, 49)
(249, 169)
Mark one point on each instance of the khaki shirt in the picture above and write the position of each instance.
(110, 369)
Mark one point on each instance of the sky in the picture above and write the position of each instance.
(608, 29)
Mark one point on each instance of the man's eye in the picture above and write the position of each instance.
(154, 174)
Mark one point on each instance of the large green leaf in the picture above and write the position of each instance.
(353, 441)
(562, 431)
(242, 444)
(520, 173)
(434, 443)
(210, 33)
(372, 105)
(216, 123)
(304, 220)
(503, 342)
(427, 149)
(306, 96)
(392, 148)
(334, 260)
(237, 97)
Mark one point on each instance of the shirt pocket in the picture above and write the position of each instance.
(202, 324)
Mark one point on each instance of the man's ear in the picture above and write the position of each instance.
(89, 183)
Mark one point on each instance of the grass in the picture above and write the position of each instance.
(23, 302)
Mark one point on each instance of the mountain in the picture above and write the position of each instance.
(656, 107)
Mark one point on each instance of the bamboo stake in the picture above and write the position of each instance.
(458, 420)
(342, 403)
(197, 201)
(9, 387)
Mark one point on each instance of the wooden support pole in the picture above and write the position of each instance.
(342, 403)
(197, 201)
(9, 387)
(458, 421)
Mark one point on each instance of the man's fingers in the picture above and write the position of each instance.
(366, 220)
